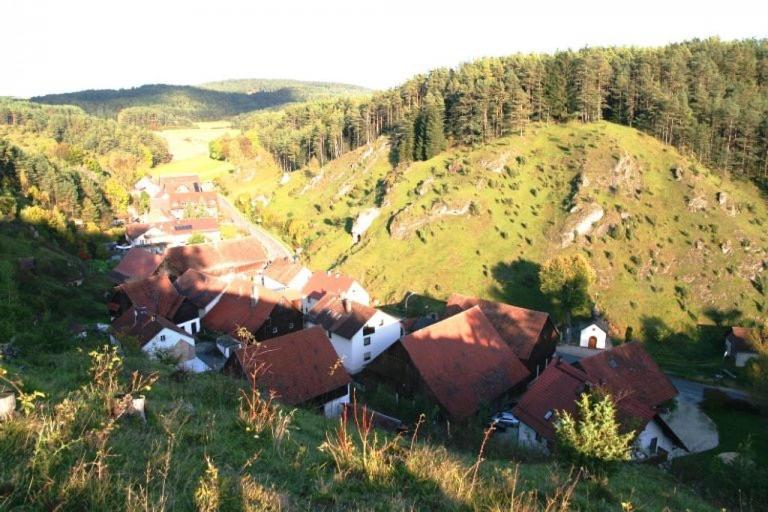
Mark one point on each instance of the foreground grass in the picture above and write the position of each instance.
(69, 455)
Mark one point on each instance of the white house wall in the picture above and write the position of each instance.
(157, 344)
(653, 429)
(192, 326)
(358, 294)
(526, 436)
(595, 331)
(300, 280)
(333, 408)
(742, 358)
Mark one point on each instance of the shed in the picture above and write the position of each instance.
(593, 336)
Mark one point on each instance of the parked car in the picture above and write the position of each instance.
(504, 420)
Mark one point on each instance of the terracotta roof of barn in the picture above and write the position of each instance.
(199, 288)
(156, 293)
(136, 229)
(298, 366)
(519, 327)
(464, 362)
(283, 270)
(628, 370)
(557, 390)
(137, 263)
(172, 183)
(742, 339)
(237, 308)
(143, 325)
(236, 255)
(340, 316)
(323, 282)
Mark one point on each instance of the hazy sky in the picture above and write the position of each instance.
(59, 46)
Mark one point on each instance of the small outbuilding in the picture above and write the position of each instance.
(593, 336)
(740, 344)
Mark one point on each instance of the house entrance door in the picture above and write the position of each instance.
(592, 342)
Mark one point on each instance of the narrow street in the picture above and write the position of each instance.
(274, 246)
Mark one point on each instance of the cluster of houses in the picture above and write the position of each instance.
(179, 207)
(306, 335)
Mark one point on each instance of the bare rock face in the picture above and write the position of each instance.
(697, 204)
(7, 405)
(726, 247)
(423, 187)
(363, 222)
(584, 219)
(678, 173)
(403, 225)
(722, 198)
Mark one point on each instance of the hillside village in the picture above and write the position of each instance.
(313, 338)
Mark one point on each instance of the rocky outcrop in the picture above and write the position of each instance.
(582, 220)
(363, 222)
(404, 224)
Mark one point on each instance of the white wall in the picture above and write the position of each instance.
(171, 339)
(187, 326)
(352, 352)
(300, 280)
(358, 294)
(333, 408)
(742, 358)
(590, 331)
(270, 284)
(526, 436)
(653, 430)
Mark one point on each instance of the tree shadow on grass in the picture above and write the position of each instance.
(724, 317)
(518, 284)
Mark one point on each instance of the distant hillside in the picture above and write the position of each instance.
(161, 105)
(308, 90)
(673, 243)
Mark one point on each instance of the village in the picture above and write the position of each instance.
(313, 337)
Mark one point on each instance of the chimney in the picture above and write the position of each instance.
(254, 295)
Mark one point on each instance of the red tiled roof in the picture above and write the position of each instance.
(143, 325)
(136, 229)
(156, 293)
(742, 339)
(556, 389)
(628, 370)
(237, 308)
(519, 327)
(323, 282)
(199, 288)
(180, 199)
(283, 270)
(172, 183)
(137, 264)
(340, 316)
(298, 367)
(237, 255)
(464, 362)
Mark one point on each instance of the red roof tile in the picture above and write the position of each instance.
(556, 389)
(519, 327)
(143, 325)
(464, 362)
(189, 182)
(628, 370)
(323, 282)
(238, 308)
(156, 293)
(182, 199)
(199, 288)
(283, 270)
(237, 255)
(135, 230)
(137, 264)
(298, 367)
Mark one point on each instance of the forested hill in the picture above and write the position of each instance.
(705, 96)
(161, 105)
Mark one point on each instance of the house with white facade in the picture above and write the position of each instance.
(358, 332)
(322, 283)
(154, 334)
(201, 289)
(639, 388)
(285, 273)
(299, 369)
(593, 336)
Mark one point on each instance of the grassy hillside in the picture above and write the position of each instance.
(668, 254)
(159, 105)
(197, 445)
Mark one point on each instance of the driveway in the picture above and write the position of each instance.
(275, 248)
(688, 421)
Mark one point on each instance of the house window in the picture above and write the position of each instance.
(381, 322)
(538, 437)
(274, 330)
(194, 328)
(162, 337)
(329, 334)
(654, 444)
(290, 325)
(402, 331)
(548, 415)
(366, 341)
(367, 356)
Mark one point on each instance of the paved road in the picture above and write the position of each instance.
(274, 246)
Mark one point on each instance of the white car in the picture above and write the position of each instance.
(504, 420)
